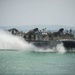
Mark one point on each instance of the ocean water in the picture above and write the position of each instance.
(36, 63)
(17, 57)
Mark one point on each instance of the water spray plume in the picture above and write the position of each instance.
(60, 48)
(9, 41)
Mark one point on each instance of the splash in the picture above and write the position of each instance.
(9, 41)
(59, 48)
(12, 42)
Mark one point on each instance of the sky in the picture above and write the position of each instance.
(37, 12)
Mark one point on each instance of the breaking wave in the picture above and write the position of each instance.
(12, 42)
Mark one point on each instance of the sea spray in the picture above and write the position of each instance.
(9, 41)
(59, 48)
(44, 50)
